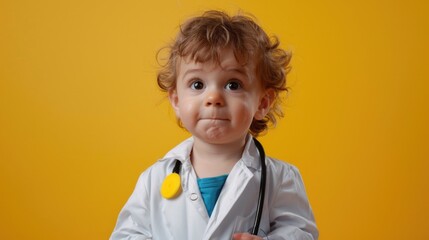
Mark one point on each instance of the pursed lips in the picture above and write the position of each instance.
(214, 118)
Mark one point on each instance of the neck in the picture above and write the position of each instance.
(211, 160)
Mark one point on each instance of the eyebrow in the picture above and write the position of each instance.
(190, 71)
(239, 70)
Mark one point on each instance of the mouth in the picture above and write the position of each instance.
(215, 119)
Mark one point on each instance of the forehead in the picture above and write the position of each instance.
(226, 60)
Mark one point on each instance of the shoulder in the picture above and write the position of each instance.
(281, 168)
(159, 169)
(284, 175)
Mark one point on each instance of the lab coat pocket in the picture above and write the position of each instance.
(245, 224)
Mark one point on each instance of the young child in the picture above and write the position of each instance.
(223, 79)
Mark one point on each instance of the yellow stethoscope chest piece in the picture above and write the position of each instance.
(171, 186)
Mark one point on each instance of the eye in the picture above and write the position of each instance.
(197, 85)
(233, 85)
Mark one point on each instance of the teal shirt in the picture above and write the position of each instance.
(210, 189)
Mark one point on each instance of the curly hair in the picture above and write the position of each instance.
(202, 38)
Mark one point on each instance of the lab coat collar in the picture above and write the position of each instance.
(250, 155)
(182, 152)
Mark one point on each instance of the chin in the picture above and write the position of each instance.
(214, 136)
(219, 137)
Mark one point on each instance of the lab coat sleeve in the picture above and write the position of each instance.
(134, 219)
(291, 215)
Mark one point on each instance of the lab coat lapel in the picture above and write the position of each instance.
(186, 214)
(236, 183)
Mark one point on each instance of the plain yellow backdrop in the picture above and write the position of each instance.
(81, 116)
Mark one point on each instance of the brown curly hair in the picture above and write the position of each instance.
(201, 39)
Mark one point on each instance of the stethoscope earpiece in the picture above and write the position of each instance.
(172, 186)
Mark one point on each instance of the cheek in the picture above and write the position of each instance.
(188, 109)
(245, 112)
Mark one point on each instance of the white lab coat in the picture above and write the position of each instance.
(286, 214)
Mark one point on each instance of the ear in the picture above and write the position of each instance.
(174, 101)
(265, 104)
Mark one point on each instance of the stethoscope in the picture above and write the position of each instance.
(171, 187)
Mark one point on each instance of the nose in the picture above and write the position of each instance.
(215, 98)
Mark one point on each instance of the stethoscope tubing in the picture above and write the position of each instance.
(261, 197)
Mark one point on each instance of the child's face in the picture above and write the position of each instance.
(217, 103)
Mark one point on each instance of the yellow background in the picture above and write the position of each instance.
(81, 116)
